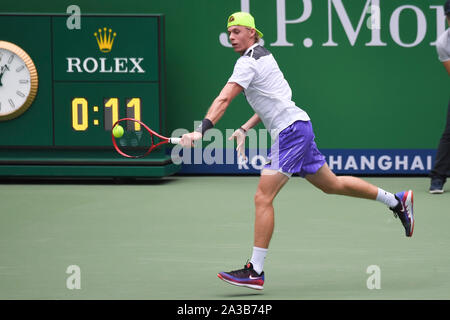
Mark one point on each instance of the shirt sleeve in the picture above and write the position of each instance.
(443, 48)
(244, 72)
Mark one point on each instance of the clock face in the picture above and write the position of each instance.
(15, 82)
(18, 81)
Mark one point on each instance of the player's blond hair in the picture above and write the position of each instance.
(256, 35)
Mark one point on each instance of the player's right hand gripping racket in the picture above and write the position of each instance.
(138, 140)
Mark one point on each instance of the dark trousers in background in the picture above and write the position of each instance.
(442, 164)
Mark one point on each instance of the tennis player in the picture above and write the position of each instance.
(257, 74)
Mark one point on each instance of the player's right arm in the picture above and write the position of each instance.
(215, 112)
(223, 100)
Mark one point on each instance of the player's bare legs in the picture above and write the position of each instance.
(271, 182)
(328, 182)
(269, 185)
(252, 275)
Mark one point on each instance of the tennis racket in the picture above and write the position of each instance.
(138, 140)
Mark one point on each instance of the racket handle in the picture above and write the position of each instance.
(174, 140)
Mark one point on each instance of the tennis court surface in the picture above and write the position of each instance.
(168, 239)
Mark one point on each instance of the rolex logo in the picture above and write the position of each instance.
(105, 40)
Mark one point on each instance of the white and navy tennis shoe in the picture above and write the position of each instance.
(405, 211)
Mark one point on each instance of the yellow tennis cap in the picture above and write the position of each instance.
(244, 19)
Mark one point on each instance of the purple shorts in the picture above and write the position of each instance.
(294, 151)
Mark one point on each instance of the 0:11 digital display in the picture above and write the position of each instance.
(80, 116)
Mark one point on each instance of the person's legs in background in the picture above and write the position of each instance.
(442, 163)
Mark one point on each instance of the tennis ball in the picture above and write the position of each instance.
(118, 131)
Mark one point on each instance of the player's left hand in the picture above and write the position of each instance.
(240, 135)
(187, 140)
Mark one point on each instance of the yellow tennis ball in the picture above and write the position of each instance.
(118, 131)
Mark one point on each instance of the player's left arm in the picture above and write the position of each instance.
(215, 111)
(447, 66)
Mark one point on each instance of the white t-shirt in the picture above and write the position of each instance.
(266, 90)
(443, 46)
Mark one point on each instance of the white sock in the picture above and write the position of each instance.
(258, 256)
(387, 198)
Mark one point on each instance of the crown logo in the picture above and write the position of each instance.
(105, 40)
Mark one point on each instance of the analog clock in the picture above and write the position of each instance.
(18, 81)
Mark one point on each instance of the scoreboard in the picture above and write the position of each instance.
(62, 89)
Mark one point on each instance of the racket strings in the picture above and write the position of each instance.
(138, 140)
(135, 143)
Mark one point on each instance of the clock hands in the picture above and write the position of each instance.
(2, 72)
